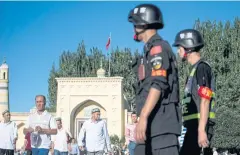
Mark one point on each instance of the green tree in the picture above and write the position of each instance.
(86, 64)
(52, 90)
(121, 61)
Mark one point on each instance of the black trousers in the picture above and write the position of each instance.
(6, 152)
(190, 144)
(160, 145)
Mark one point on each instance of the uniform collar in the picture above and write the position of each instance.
(155, 36)
(149, 43)
(197, 62)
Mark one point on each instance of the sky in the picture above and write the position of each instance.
(34, 34)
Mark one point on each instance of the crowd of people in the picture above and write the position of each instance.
(159, 116)
(45, 134)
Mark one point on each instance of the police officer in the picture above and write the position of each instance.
(157, 88)
(198, 102)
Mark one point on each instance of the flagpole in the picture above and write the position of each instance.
(109, 74)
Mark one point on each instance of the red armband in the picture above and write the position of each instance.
(205, 92)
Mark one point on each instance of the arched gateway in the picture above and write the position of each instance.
(77, 96)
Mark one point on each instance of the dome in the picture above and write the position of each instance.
(101, 72)
(4, 66)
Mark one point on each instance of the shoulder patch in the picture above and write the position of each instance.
(160, 72)
(156, 62)
(156, 50)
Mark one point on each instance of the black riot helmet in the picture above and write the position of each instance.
(146, 16)
(190, 39)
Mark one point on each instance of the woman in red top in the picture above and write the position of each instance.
(27, 144)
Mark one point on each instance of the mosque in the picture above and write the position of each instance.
(75, 99)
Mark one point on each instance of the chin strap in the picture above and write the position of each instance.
(135, 37)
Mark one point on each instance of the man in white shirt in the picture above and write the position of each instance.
(8, 135)
(41, 125)
(95, 133)
(62, 139)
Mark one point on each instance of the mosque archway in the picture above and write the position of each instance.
(82, 112)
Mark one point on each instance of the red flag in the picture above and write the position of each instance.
(108, 43)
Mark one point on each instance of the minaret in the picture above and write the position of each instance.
(4, 95)
(101, 72)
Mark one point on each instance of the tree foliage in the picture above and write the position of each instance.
(86, 64)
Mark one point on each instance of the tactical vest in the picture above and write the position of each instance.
(191, 100)
(160, 122)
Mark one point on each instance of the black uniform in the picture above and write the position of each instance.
(201, 79)
(200, 84)
(157, 69)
